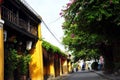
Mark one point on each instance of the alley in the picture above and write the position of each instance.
(82, 75)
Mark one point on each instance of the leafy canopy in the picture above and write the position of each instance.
(88, 23)
(53, 49)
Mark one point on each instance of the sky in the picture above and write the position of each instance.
(49, 11)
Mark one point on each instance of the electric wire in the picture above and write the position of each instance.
(50, 31)
(55, 20)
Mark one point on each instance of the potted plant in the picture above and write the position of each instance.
(23, 66)
(11, 62)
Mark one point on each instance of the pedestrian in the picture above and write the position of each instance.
(83, 66)
(101, 63)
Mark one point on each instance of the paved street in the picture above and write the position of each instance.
(82, 75)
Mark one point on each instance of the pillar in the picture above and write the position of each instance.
(1, 51)
(60, 67)
(52, 68)
(65, 69)
(36, 64)
(69, 66)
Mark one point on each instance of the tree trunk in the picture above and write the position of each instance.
(108, 58)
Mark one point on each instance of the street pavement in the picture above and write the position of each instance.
(81, 75)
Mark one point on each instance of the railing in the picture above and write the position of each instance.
(23, 24)
(14, 18)
(6, 13)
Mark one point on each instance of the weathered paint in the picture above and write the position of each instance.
(36, 64)
(1, 51)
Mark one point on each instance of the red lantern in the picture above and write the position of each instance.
(1, 1)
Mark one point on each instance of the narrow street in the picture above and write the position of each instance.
(82, 75)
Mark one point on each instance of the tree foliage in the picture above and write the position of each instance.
(53, 49)
(88, 23)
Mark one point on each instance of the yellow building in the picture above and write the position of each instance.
(55, 62)
(20, 29)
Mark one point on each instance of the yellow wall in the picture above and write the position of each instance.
(36, 65)
(52, 69)
(1, 49)
(69, 67)
(65, 69)
(1, 54)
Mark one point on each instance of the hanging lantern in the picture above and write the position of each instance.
(5, 35)
(1, 1)
(28, 45)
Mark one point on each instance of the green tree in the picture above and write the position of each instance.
(90, 24)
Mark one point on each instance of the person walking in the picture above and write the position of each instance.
(101, 63)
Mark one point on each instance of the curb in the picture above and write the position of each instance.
(109, 77)
(59, 77)
(103, 76)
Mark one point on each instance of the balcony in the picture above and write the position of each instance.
(12, 17)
